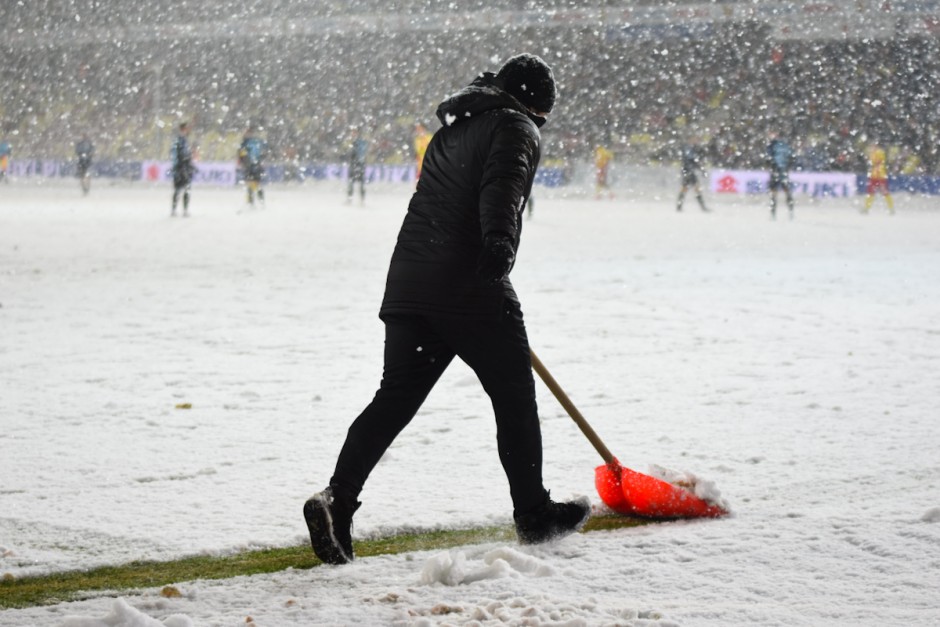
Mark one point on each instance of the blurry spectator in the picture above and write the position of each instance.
(814, 158)
(910, 163)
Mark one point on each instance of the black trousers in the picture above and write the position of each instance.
(417, 351)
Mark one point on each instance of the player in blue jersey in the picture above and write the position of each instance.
(780, 158)
(251, 154)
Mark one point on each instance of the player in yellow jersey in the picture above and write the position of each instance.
(422, 139)
(602, 159)
(877, 177)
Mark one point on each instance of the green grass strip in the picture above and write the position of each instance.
(72, 585)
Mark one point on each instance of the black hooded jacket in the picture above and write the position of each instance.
(477, 174)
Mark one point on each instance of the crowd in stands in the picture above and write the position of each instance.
(728, 85)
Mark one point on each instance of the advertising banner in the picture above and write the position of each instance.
(22, 168)
(815, 184)
(389, 173)
(225, 173)
(207, 172)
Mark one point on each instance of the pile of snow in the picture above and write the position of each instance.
(453, 568)
(123, 615)
(702, 488)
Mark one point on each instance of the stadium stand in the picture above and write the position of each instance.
(634, 75)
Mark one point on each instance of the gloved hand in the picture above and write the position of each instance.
(496, 259)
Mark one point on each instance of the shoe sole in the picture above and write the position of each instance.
(320, 526)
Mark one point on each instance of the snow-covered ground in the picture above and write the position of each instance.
(794, 364)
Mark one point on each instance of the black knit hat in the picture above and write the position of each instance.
(530, 80)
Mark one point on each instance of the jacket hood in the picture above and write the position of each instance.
(484, 94)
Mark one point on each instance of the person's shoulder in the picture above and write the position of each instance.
(514, 119)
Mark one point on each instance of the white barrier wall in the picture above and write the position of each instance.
(815, 184)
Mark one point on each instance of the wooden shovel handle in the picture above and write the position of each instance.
(559, 393)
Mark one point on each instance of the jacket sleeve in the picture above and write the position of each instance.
(507, 175)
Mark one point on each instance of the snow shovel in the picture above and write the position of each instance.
(626, 491)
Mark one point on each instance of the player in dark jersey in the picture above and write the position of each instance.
(691, 165)
(84, 151)
(182, 169)
(780, 158)
(357, 167)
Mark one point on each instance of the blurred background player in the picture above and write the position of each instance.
(6, 151)
(691, 159)
(877, 177)
(602, 158)
(357, 166)
(251, 154)
(182, 169)
(780, 157)
(84, 151)
(422, 139)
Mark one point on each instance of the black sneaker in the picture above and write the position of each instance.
(552, 520)
(329, 522)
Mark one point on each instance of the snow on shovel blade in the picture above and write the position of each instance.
(632, 493)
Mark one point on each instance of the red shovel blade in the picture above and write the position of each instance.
(607, 482)
(632, 493)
